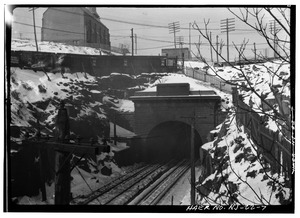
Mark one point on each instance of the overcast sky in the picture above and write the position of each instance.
(151, 27)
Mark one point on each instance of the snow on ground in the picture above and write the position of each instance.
(181, 192)
(55, 47)
(126, 105)
(193, 64)
(239, 174)
(28, 82)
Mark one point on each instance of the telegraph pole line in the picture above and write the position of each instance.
(275, 29)
(227, 25)
(132, 45)
(174, 28)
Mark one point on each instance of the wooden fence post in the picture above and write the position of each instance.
(42, 176)
(62, 178)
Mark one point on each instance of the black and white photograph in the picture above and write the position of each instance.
(149, 108)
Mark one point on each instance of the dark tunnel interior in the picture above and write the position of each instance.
(171, 140)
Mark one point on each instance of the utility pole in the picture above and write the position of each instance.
(275, 29)
(199, 43)
(135, 40)
(192, 156)
(193, 119)
(217, 51)
(115, 129)
(254, 52)
(180, 41)
(132, 41)
(211, 54)
(34, 29)
(174, 28)
(193, 195)
(227, 25)
(189, 41)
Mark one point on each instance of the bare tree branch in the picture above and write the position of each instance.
(277, 20)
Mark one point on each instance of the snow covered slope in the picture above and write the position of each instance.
(47, 46)
(240, 176)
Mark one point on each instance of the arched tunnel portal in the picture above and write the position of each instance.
(171, 139)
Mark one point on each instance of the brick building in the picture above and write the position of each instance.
(75, 26)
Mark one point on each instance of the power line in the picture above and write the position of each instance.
(66, 31)
(166, 46)
(139, 24)
(120, 36)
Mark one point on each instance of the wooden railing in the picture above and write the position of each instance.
(275, 148)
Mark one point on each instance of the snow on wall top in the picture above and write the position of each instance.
(195, 85)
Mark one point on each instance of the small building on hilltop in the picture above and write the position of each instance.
(178, 53)
(75, 26)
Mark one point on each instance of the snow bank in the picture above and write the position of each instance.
(240, 176)
(193, 64)
(55, 47)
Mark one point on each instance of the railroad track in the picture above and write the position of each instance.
(156, 192)
(144, 186)
(108, 193)
(87, 198)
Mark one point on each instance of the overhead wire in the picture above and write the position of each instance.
(139, 24)
(117, 37)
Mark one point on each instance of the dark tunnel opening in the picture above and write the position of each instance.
(170, 140)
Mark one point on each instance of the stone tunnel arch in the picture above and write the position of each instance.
(171, 139)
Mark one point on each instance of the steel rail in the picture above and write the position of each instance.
(138, 184)
(158, 192)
